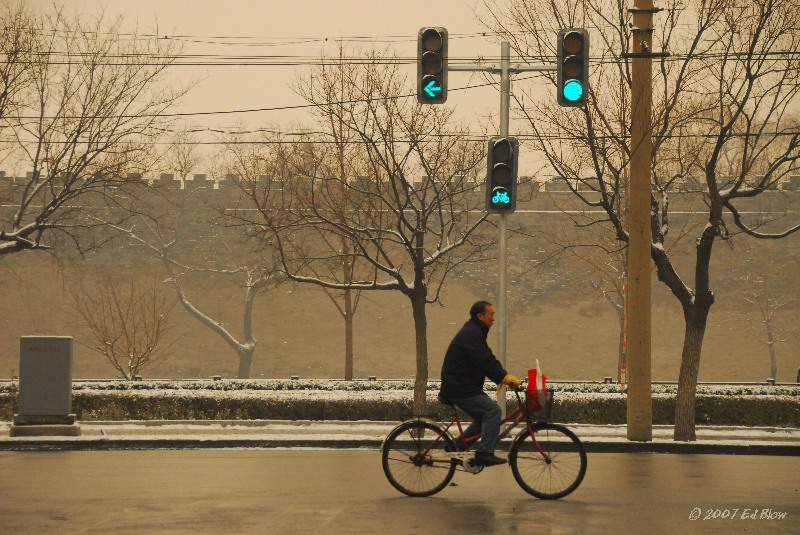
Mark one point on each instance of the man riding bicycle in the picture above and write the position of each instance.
(467, 362)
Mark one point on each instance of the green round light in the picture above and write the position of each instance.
(573, 90)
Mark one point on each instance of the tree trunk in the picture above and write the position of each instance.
(696, 307)
(247, 349)
(243, 350)
(696, 318)
(245, 362)
(348, 335)
(421, 329)
(773, 358)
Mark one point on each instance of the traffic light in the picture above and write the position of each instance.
(501, 177)
(432, 65)
(573, 66)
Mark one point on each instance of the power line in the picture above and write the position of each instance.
(290, 60)
(252, 40)
(469, 137)
(250, 110)
(259, 110)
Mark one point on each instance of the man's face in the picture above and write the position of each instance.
(488, 316)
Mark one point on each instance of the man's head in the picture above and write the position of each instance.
(483, 311)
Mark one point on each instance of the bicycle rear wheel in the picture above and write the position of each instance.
(414, 458)
(556, 473)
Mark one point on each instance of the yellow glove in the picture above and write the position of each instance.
(511, 381)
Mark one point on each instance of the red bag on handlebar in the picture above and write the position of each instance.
(536, 391)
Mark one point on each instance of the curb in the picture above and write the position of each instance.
(365, 434)
(693, 448)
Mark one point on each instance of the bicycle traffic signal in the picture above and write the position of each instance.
(501, 178)
(432, 65)
(573, 67)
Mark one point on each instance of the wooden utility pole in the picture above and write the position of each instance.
(640, 400)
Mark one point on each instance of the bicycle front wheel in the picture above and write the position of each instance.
(552, 470)
(414, 458)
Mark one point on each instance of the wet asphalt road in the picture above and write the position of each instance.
(344, 491)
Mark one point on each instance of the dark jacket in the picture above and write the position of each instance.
(468, 361)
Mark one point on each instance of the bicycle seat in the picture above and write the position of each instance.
(446, 401)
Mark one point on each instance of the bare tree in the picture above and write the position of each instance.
(91, 105)
(211, 254)
(413, 224)
(166, 235)
(183, 156)
(769, 300)
(345, 269)
(255, 165)
(721, 116)
(127, 325)
(342, 156)
(181, 229)
(16, 55)
(602, 263)
(16, 48)
(608, 278)
(769, 304)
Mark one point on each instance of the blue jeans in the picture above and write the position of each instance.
(486, 416)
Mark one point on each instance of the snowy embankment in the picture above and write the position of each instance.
(591, 403)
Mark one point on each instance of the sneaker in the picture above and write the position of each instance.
(459, 446)
(487, 459)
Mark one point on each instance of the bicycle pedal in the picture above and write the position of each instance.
(473, 469)
(465, 459)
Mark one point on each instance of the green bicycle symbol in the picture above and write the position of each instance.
(501, 197)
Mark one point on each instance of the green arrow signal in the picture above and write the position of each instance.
(431, 89)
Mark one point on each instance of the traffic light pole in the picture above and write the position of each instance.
(502, 266)
(504, 70)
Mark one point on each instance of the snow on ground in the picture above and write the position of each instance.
(363, 433)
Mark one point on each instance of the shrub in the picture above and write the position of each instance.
(747, 405)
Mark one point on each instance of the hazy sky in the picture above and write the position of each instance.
(303, 28)
(297, 28)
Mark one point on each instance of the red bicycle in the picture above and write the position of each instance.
(548, 461)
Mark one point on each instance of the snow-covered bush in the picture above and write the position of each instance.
(755, 405)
